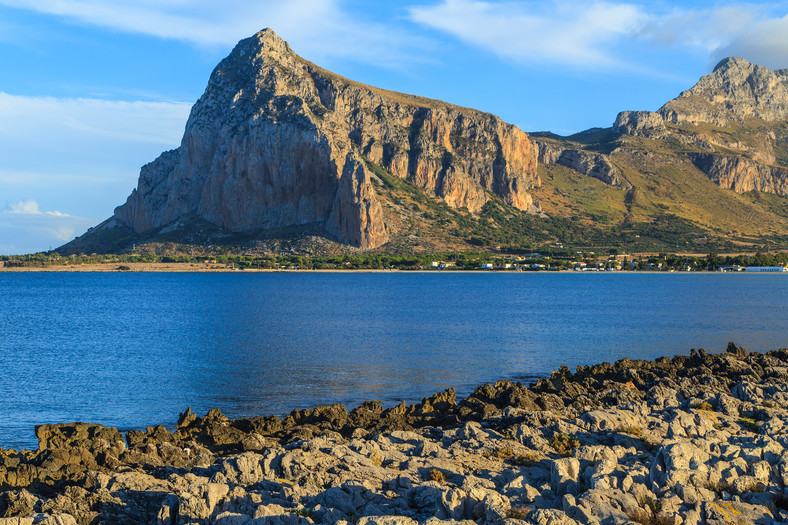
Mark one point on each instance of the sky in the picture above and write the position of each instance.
(91, 90)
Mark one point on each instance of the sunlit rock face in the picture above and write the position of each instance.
(276, 141)
(735, 90)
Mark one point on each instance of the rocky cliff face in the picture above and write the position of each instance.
(735, 90)
(276, 141)
(746, 104)
(640, 123)
(588, 163)
(741, 175)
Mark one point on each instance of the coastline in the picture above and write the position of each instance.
(693, 439)
(213, 268)
(167, 267)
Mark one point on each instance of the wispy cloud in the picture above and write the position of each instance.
(536, 32)
(30, 207)
(149, 122)
(753, 31)
(595, 34)
(25, 227)
(83, 155)
(83, 140)
(319, 28)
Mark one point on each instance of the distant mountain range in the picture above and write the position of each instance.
(282, 155)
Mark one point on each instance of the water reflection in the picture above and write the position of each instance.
(132, 350)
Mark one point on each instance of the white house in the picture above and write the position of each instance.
(767, 269)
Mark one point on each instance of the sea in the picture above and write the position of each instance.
(132, 350)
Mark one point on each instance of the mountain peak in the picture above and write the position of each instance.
(266, 39)
(276, 142)
(732, 63)
(735, 90)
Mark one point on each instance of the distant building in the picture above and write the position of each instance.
(487, 266)
(767, 269)
(442, 264)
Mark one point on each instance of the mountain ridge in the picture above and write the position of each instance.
(278, 146)
(274, 141)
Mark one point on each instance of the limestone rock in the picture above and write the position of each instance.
(640, 124)
(735, 90)
(90, 436)
(588, 163)
(276, 141)
(742, 175)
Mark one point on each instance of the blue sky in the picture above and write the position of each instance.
(90, 90)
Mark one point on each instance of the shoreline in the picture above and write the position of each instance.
(692, 439)
(213, 268)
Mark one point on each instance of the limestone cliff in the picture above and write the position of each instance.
(640, 123)
(588, 163)
(741, 175)
(734, 120)
(276, 141)
(735, 90)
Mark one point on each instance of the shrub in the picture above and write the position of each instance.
(719, 487)
(526, 460)
(437, 476)
(502, 453)
(703, 405)
(632, 431)
(749, 424)
(564, 444)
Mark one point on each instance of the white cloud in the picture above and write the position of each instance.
(318, 28)
(596, 34)
(25, 228)
(78, 118)
(747, 31)
(542, 32)
(30, 207)
(87, 143)
(82, 155)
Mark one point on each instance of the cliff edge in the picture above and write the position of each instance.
(276, 141)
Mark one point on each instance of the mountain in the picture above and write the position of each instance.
(281, 155)
(277, 142)
(709, 168)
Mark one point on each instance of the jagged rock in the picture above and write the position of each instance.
(386, 520)
(691, 461)
(735, 90)
(550, 517)
(740, 174)
(68, 435)
(564, 474)
(276, 141)
(588, 163)
(640, 124)
(724, 512)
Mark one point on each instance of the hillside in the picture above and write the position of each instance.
(280, 155)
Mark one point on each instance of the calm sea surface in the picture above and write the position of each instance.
(132, 350)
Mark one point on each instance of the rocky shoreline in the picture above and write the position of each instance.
(688, 440)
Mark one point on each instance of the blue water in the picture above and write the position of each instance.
(132, 350)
